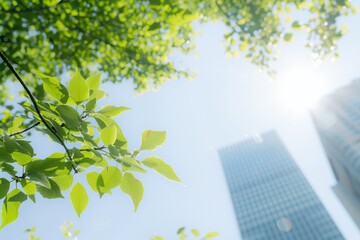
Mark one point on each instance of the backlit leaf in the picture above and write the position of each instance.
(29, 187)
(10, 206)
(20, 150)
(79, 198)
(112, 111)
(15, 125)
(152, 139)
(211, 235)
(195, 232)
(78, 88)
(63, 181)
(53, 87)
(133, 187)
(94, 81)
(110, 178)
(108, 135)
(161, 167)
(92, 178)
(288, 37)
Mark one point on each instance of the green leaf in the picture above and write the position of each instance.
(53, 165)
(130, 161)
(92, 178)
(29, 187)
(70, 116)
(296, 25)
(39, 178)
(78, 88)
(288, 37)
(4, 187)
(108, 135)
(180, 230)
(341, 2)
(112, 111)
(20, 150)
(133, 187)
(53, 87)
(5, 156)
(154, 26)
(86, 162)
(91, 105)
(109, 178)
(64, 181)
(113, 151)
(79, 198)
(94, 81)
(5, 167)
(155, 2)
(32, 198)
(52, 192)
(211, 235)
(97, 94)
(15, 125)
(10, 207)
(195, 232)
(152, 139)
(161, 167)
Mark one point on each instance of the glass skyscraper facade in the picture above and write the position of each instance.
(337, 120)
(271, 197)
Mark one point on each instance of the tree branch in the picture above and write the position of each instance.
(51, 129)
(25, 130)
(90, 149)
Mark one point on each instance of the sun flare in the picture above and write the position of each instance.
(301, 91)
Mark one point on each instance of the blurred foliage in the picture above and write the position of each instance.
(69, 233)
(136, 39)
(124, 39)
(195, 234)
(256, 27)
(94, 149)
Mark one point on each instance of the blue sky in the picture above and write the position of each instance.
(227, 100)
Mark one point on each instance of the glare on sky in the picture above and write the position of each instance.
(300, 88)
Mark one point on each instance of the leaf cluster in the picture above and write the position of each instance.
(94, 147)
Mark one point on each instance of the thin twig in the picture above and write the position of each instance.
(32, 98)
(25, 130)
(90, 149)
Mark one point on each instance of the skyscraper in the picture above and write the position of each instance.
(271, 197)
(337, 120)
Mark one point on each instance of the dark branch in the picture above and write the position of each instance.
(26, 129)
(90, 149)
(32, 98)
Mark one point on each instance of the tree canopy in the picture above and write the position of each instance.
(136, 39)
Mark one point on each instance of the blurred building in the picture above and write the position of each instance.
(271, 197)
(337, 120)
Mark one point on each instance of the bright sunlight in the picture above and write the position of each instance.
(299, 89)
